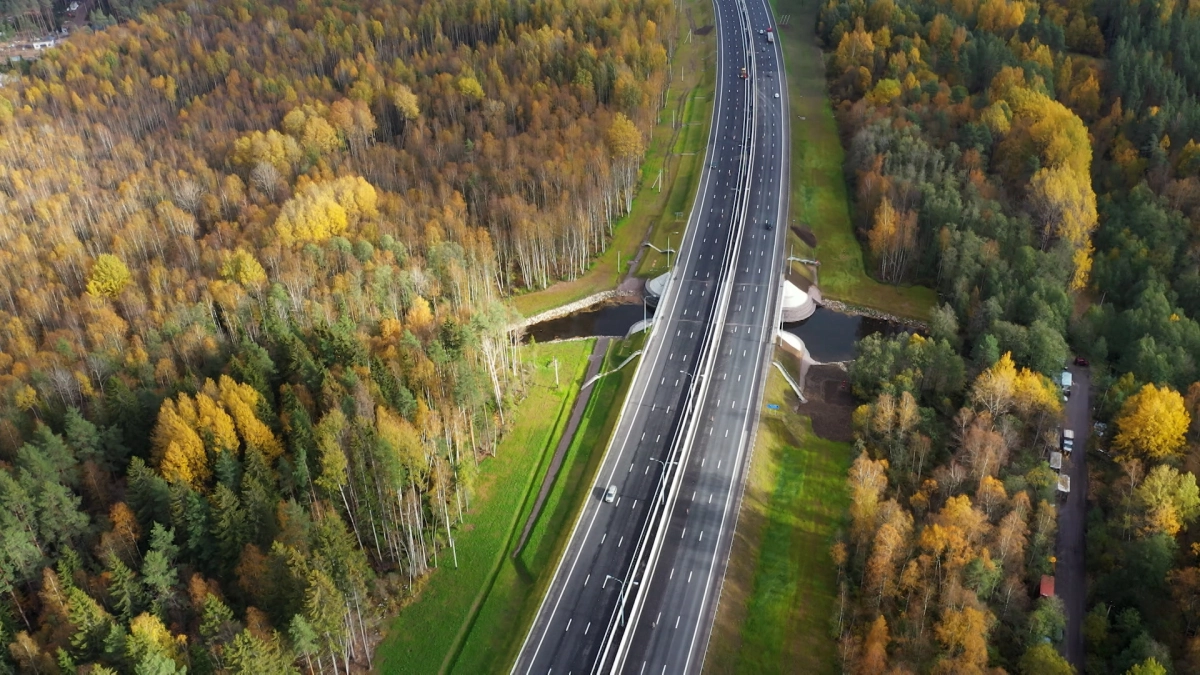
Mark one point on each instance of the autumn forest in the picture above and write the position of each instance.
(252, 343)
(1035, 163)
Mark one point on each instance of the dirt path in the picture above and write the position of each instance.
(564, 442)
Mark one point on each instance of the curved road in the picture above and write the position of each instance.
(578, 628)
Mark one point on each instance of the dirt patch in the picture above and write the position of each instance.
(703, 30)
(806, 234)
(830, 404)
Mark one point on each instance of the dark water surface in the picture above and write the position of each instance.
(606, 319)
(830, 336)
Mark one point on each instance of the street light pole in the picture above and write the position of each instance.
(621, 608)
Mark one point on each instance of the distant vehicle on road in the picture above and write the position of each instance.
(1080, 361)
(761, 31)
(611, 494)
(1068, 440)
(769, 225)
(771, 38)
(743, 74)
(1066, 384)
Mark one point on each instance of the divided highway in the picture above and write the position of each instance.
(657, 553)
(671, 633)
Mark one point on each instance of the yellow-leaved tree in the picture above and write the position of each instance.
(1060, 192)
(1151, 425)
(148, 636)
(279, 150)
(214, 425)
(406, 102)
(856, 49)
(469, 87)
(995, 387)
(1169, 500)
(1001, 17)
(1035, 394)
(401, 437)
(624, 139)
(109, 277)
(323, 210)
(241, 267)
(241, 400)
(179, 450)
(867, 482)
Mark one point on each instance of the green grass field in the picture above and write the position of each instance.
(819, 192)
(425, 633)
(670, 221)
(497, 634)
(669, 148)
(781, 586)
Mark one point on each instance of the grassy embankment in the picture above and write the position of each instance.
(423, 634)
(691, 96)
(497, 633)
(472, 620)
(781, 586)
(819, 196)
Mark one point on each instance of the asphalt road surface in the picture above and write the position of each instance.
(569, 631)
(1070, 582)
(671, 633)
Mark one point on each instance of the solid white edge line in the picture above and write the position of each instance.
(690, 237)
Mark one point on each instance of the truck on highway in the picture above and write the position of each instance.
(771, 38)
(1066, 380)
(743, 74)
(1068, 441)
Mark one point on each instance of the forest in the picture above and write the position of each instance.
(253, 339)
(1036, 164)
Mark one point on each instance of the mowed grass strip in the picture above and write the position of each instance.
(671, 222)
(781, 586)
(652, 206)
(819, 198)
(499, 631)
(422, 636)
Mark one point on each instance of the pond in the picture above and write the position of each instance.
(607, 319)
(830, 336)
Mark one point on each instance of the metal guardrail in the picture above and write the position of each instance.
(667, 491)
